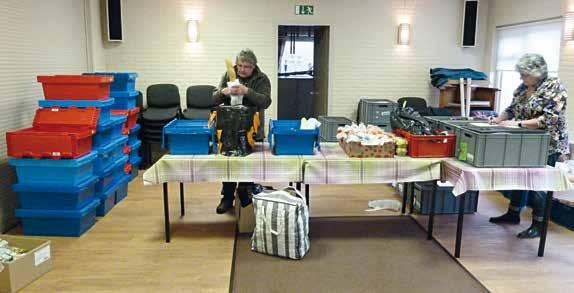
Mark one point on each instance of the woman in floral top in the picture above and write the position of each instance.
(539, 103)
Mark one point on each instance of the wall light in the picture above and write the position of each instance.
(569, 26)
(192, 31)
(404, 34)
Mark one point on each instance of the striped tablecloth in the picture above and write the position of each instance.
(466, 177)
(260, 166)
(332, 166)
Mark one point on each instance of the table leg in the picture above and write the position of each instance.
(431, 214)
(181, 199)
(542, 244)
(166, 213)
(307, 194)
(403, 208)
(290, 183)
(412, 201)
(298, 186)
(458, 242)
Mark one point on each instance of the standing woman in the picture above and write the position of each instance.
(539, 103)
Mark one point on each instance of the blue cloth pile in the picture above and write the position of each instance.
(440, 76)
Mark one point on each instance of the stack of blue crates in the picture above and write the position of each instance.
(124, 93)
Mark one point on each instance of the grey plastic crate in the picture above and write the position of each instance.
(452, 124)
(445, 201)
(375, 111)
(329, 125)
(503, 147)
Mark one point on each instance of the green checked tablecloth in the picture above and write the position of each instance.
(260, 166)
(332, 166)
(466, 177)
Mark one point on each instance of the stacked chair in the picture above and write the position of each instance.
(71, 163)
(199, 102)
(163, 105)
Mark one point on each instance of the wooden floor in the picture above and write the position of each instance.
(125, 251)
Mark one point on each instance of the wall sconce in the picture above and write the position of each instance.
(404, 34)
(192, 31)
(569, 26)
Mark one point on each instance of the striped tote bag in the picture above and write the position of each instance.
(281, 223)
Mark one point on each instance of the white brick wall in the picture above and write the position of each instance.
(364, 57)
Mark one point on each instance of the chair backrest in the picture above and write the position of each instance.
(200, 96)
(162, 96)
(416, 103)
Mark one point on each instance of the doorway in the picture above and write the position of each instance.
(303, 71)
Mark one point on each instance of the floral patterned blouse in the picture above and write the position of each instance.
(548, 105)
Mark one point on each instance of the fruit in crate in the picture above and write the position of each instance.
(401, 144)
(362, 141)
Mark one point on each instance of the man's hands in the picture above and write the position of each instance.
(239, 90)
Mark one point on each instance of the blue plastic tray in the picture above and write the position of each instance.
(106, 133)
(135, 162)
(48, 171)
(111, 175)
(122, 191)
(58, 222)
(123, 81)
(108, 198)
(134, 150)
(105, 106)
(124, 100)
(133, 136)
(54, 196)
(189, 137)
(286, 138)
(108, 154)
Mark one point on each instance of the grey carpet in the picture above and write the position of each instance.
(367, 254)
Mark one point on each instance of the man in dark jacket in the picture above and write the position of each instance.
(255, 88)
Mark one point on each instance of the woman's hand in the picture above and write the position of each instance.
(494, 120)
(509, 123)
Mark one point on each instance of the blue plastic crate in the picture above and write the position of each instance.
(134, 149)
(55, 196)
(111, 175)
(123, 81)
(286, 138)
(48, 171)
(124, 100)
(135, 162)
(133, 136)
(106, 133)
(108, 154)
(122, 191)
(58, 222)
(108, 198)
(189, 137)
(105, 106)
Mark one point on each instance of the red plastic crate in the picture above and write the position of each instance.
(132, 116)
(66, 119)
(33, 143)
(76, 87)
(429, 146)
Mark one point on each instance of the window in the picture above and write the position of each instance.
(542, 37)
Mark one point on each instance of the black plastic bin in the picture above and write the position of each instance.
(445, 201)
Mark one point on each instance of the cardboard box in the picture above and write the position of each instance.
(25, 269)
(245, 217)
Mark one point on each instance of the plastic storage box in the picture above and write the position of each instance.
(133, 135)
(46, 171)
(54, 196)
(124, 100)
(329, 125)
(122, 191)
(76, 87)
(131, 114)
(107, 133)
(375, 111)
(58, 222)
(105, 106)
(429, 146)
(109, 154)
(563, 213)
(135, 162)
(503, 147)
(123, 81)
(108, 197)
(452, 124)
(134, 150)
(286, 138)
(189, 137)
(445, 201)
(111, 175)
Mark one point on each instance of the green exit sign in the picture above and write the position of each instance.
(304, 9)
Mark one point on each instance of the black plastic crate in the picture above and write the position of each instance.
(562, 214)
(445, 201)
